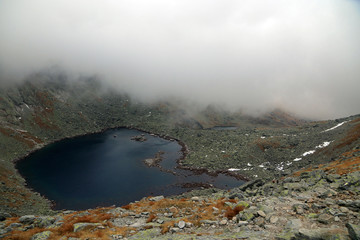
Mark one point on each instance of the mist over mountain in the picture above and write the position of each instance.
(257, 55)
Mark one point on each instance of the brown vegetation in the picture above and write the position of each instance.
(348, 162)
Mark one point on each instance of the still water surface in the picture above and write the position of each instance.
(107, 169)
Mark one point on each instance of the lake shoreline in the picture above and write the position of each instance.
(184, 151)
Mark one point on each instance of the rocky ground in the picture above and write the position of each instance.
(314, 205)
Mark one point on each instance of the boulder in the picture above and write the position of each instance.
(27, 219)
(42, 235)
(321, 233)
(354, 231)
(84, 226)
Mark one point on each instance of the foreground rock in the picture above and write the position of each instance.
(313, 205)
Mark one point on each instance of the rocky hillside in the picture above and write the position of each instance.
(267, 150)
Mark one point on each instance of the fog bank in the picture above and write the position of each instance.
(302, 56)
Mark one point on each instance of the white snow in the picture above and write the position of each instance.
(233, 169)
(27, 106)
(262, 137)
(308, 153)
(280, 167)
(335, 126)
(249, 164)
(288, 163)
(324, 144)
(255, 175)
(297, 159)
(262, 166)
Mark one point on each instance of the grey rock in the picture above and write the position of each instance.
(210, 222)
(160, 221)
(324, 218)
(140, 223)
(293, 224)
(332, 177)
(181, 224)
(321, 234)
(354, 231)
(242, 223)
(261, 213)
(42, 235)
(344, 209)
(3, 216)
(223, 222)
(44, 221)
(156, 198)
(274, 219)
(196, 199)
(250, 184)
(27, 219)
(174, 230)
(15, 225)
(83, 226)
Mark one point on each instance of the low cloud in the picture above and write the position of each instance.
(302, 56)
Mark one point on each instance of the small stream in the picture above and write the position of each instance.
(108, 168)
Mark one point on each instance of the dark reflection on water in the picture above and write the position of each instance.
(103, 170)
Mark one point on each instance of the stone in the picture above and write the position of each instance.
(138, 224)
(181, 224)
(173, 210)
(174, 230)
(254, 183)
(293, 224)
(354, 231)
(27, 219)
(223, 222)
(259, 221)
(261, 213)
(274, 219)
(242, 223)
(84, 226)
(210, 222)
(156, 198)
(344, 209)
(332, 177)
(321, 233)
(246, 216)
(160, 221)
(41, 236)
(196, 199)
(286, 235)
(4, 216)
(324, 218)
(44, 221)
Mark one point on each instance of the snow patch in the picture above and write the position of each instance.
(324, 144)
(233, 169)
(297, 159)
(308, 153)
(249, 165)
(335, 126)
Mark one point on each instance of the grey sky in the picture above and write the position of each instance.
(299, 55)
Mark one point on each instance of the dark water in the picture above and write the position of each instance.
(103, 170)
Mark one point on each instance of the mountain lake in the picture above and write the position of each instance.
(108, 168)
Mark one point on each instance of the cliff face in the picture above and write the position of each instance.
(48, 108)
